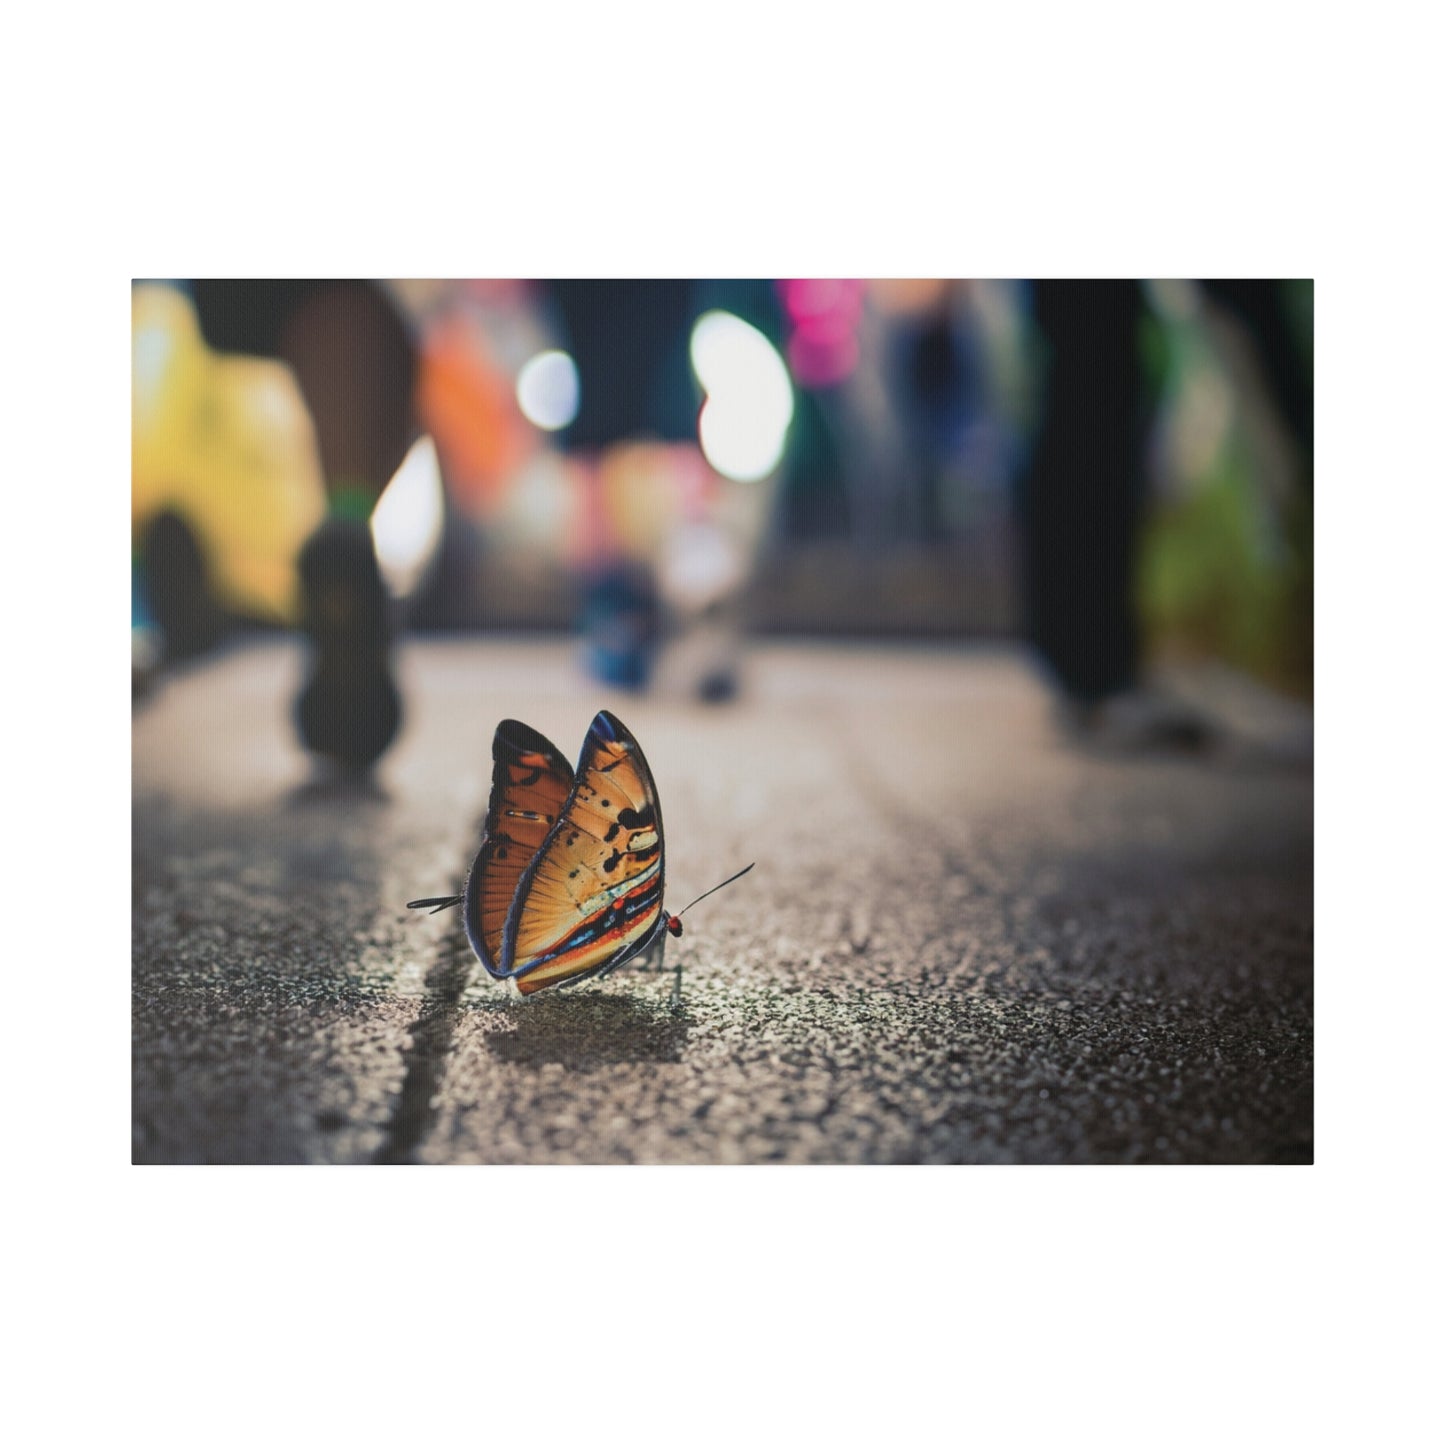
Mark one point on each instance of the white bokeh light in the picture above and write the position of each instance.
(548, 391)
(744, 422)
(406, 524)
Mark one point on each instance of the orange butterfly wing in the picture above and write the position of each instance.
(531, 782)
(591, 898)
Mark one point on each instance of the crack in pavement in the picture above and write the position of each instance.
(431, 1046)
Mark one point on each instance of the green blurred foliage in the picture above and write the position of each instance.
(1226, 570)
(1208, 586)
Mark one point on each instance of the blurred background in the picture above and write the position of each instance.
(1119, 472)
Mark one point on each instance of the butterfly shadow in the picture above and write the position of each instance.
(586, 1031)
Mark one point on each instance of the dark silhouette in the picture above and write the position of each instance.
(628, 340)
(1083, 490)
(349, 709)
(177, 588)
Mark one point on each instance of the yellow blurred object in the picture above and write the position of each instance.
(227, 443)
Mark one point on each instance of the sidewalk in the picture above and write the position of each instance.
(963, 941)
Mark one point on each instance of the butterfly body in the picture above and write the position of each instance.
(567, 884)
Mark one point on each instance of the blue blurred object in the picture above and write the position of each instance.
(621, 627)
(145, 638)
(140, 613)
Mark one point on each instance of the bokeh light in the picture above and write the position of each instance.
(824, 316)
(548, 391)
(744, 422)
(406, 525)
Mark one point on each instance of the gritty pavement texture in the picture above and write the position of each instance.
(966, 940)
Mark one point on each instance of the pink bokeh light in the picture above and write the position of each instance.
(823, 316)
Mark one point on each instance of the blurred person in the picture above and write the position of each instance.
(945, 378)
(941, 361)
(1081, 506)
(354, 361)
(895, 404)
(634, 441)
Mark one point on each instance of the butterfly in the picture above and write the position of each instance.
(567, 884)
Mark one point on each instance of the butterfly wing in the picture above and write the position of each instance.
(591, 898)
(531, 782)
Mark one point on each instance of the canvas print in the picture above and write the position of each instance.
(723, 722)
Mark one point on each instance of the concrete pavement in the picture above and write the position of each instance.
(964, 940)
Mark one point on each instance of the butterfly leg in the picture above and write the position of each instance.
(653, 959)
(656, 962)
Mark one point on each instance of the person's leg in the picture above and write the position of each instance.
(349, 709)
(355, 364)
(1082, 492)
(354, 360)
(1082, 507)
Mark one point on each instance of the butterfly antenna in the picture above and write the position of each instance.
(436, 904)
(713, 890)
